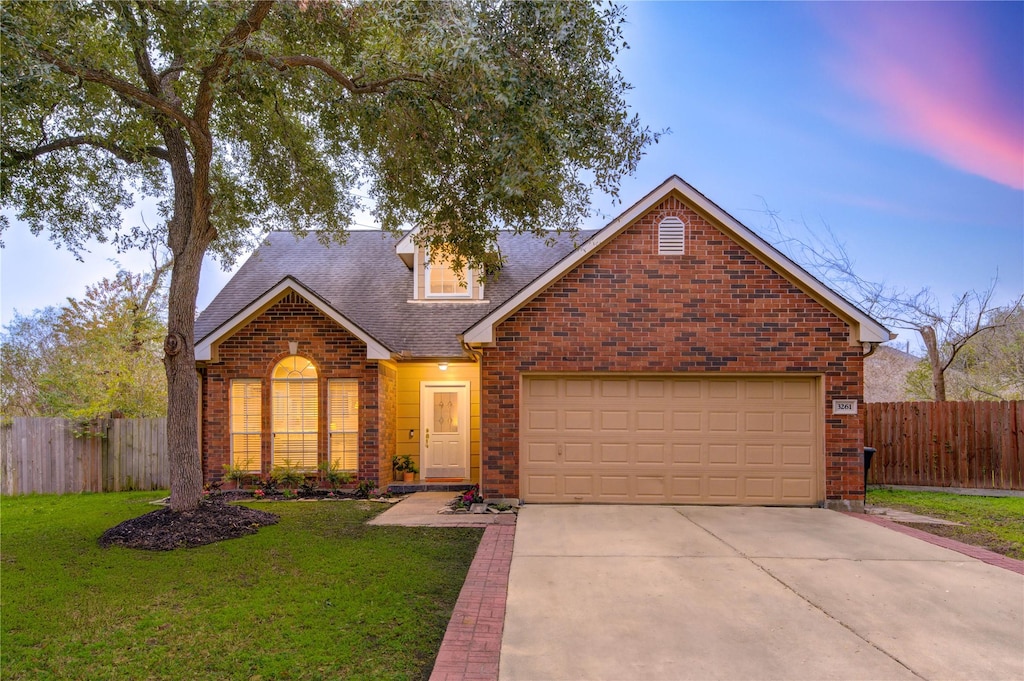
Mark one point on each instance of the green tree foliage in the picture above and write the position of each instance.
(96, 356)
(461, 117)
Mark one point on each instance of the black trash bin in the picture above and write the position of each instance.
(868, 453)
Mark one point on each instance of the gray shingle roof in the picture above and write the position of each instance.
(366, 281)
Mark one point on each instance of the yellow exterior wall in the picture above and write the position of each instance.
(408, 406)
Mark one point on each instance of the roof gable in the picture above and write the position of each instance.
(865, 329)
(206, 348)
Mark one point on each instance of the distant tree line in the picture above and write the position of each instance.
(100, 355)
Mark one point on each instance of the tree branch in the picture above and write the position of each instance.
(322, 65)
(101, 77)
(237, 37)
(123, 153)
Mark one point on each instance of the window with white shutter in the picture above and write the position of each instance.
(246, 426)
(295, 413)
(671, 236)
(343, 423)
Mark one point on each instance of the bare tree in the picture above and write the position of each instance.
(944, 332)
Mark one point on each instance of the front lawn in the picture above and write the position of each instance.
(995, 523)
(319, 595)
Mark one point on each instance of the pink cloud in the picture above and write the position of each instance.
(923, 71)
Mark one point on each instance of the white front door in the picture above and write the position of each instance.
(444, 431)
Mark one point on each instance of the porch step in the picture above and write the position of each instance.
(410, 487)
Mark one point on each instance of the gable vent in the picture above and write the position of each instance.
(671, 236)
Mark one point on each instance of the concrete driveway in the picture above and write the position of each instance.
(635, 592)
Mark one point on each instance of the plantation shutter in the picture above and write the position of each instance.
(246, 424)
(672, 236)
(343, 423)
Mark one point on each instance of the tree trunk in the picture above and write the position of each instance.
(182, 383)
(931, 345)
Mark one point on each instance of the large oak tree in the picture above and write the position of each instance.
(462, 117)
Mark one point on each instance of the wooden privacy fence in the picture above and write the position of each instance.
(58, 456)
(946, 444)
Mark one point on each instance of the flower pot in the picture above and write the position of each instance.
(408, 476)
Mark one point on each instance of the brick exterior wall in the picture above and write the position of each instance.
(716, 309)
(253, 352)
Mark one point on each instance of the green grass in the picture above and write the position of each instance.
(996, 523)
(321, 595)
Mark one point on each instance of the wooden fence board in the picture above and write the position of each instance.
(40, 455)
(950, 444)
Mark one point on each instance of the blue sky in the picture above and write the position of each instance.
(900, 126)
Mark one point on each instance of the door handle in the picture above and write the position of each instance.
(428, 437)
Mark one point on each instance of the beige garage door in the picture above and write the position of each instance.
(659, 440)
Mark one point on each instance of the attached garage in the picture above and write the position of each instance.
(596, 438)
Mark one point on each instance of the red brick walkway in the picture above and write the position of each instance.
(984, 555)
(472, 643)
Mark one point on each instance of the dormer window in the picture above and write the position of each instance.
(444, 282)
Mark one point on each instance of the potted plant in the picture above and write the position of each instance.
(406, 466)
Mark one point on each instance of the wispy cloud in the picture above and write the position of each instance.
(929, 79)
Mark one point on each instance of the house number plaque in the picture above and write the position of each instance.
(842, 407)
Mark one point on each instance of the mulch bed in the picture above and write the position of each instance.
(164, 529)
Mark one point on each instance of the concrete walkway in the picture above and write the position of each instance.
(422, 509)
(629, 592)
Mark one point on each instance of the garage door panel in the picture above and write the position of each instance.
(760, 455)
(723, 421)
(759, 390)
(724, 390)
(541, 487)
(614, 421)
(651, 389)
(579, 452)
(798, 391)
(723, 453)
(650, 421)
(579, 388)
(686, 390)
(542, 387)
(759, 422)
(614, 387)
(614, 452)
(797, 455)
(686, 453)
(576, 419)
(541, 453)
(614, 487)
(686, 421)
(578, 485)
(797, 423)
(652, 453)
(752, 440)
(542, 419)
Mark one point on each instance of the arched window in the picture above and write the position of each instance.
(295, 413)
